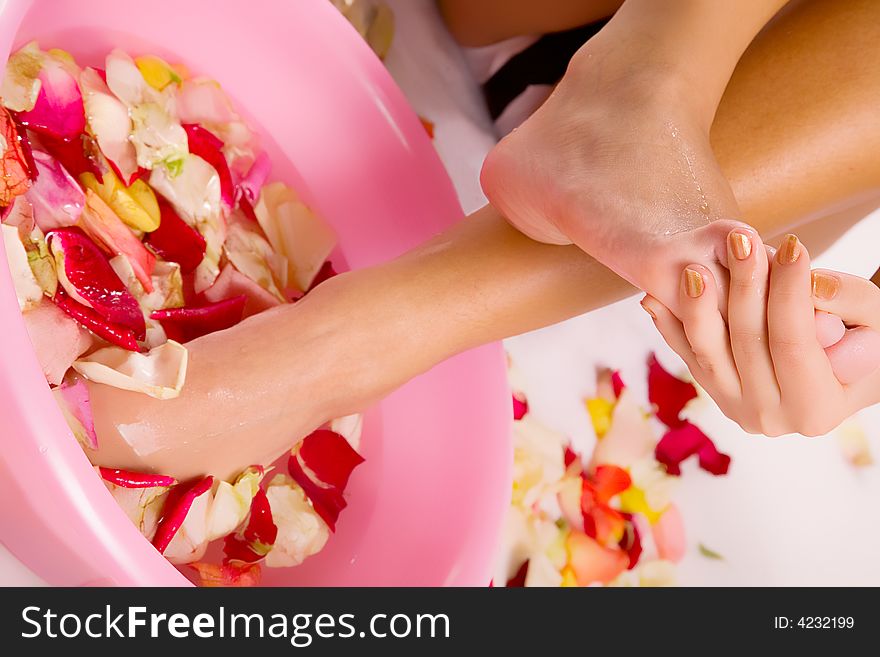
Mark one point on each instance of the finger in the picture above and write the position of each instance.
(802, 369)
(673, 333)
(747, 317)
(854, 299)
(706, 331)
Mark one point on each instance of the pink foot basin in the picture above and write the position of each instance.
(426, 507)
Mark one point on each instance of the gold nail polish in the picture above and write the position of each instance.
(789, 251)
(647, 310)
(693, 283)
(740, 245)
(825, 286)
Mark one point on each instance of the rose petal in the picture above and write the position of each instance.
(684, 441)
(329, 456)
(73, 399)
(143, 506)
(520, 407)
(27, 289)
(295, 232)
(301, 532)
(669, 535)
(631, 543)
(191, 323)
(249, 187)
(252, 255)
(258, 536)
(232, 502)
(15, 175)
(107, 229)
(90, 319)
(128, 479)
(349, 427)
(57, 198)
(591, 562)
(325, 273)
(519, 578)
(327, 502)
(135, 205)
(668, 394)
(232, 574)
(617, 383)
(629, 438)
(85, 275)
(208, 147)
(58, 110)
(177, 506)
(159, 373)
(175, 240)
(232, 282)
(110, 123)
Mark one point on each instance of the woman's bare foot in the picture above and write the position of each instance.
(619, 164)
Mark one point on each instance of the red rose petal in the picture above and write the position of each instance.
(520, 408)
(617, 383)
(631, 542)
(327, 502)
(176, 240)
(519, 578)
(88, 318)
(330, 457)
(711, 460)
(189, 323)
(683, 442)
(75, 155)
(608, 481)
(209, 147)
(177, 505)
(127, 479)
(256, 540)
(88, 271)
(668, 394)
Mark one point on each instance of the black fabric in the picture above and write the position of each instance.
(544, 62)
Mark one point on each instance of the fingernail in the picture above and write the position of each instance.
(740, 245)
(693, 283)
(789, 251)
(644, 306)
(825, 286)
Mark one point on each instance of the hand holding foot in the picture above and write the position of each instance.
(772, 367)
(618, 159)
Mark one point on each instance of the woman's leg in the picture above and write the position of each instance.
(482, 22)
(797, 133)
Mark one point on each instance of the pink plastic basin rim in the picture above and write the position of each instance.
(426, 508)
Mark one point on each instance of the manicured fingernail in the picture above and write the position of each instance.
(825, 286)
(789, 251)
(693, 283)
(644, 305)
(740, 245)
